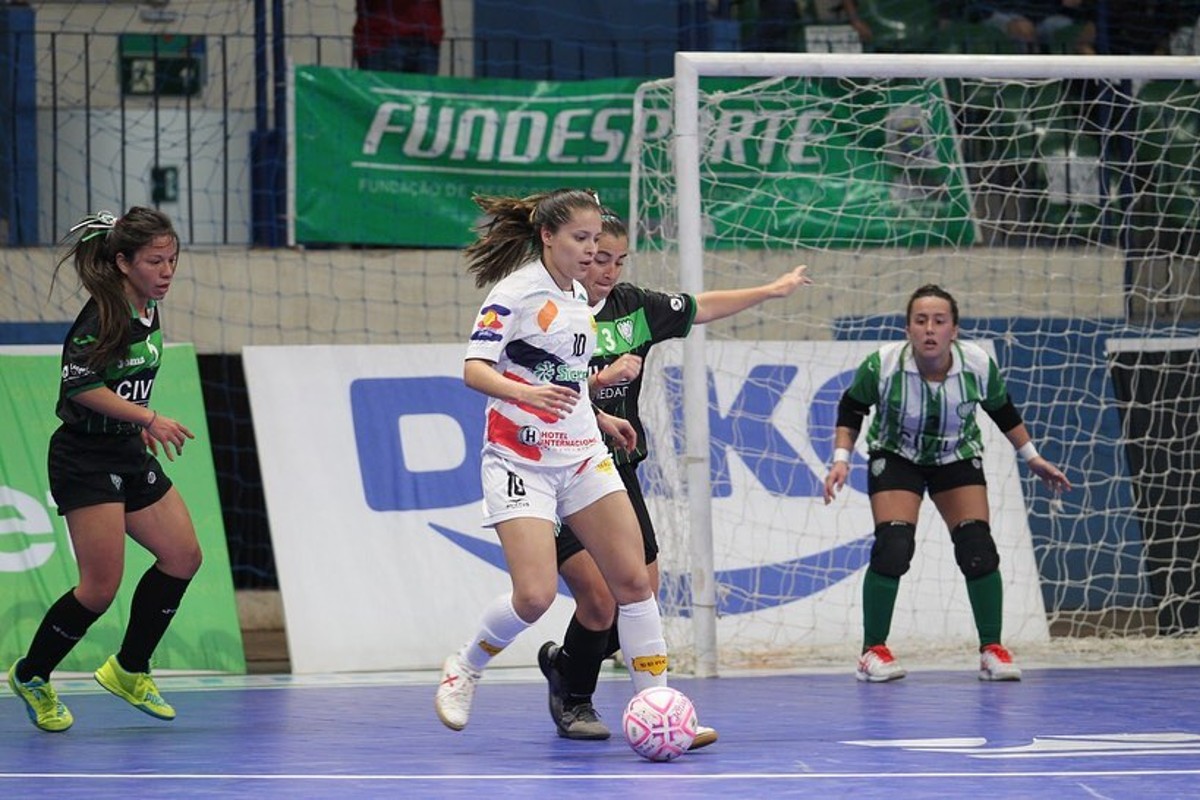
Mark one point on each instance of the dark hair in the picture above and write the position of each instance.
(99, 238)
(511, 237)
(932, 290)
(612, 224)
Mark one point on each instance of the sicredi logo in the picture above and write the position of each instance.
(419, 439)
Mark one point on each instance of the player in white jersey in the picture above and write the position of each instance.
(544, 458)
(924, 438)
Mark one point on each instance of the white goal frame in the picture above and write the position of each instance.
(690, 67)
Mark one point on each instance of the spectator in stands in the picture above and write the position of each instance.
(846, 11)
(1141, 27)
(776, 26)
(1034, 24)
(924, 438)
(104, 474)
(398, 35)
(913, 27)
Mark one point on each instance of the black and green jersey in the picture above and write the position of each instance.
(928, 424)
(131, 377)
(630, 320)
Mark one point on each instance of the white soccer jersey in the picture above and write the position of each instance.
(537, 333)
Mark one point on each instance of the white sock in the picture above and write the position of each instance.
(499, 626)
(639, 628)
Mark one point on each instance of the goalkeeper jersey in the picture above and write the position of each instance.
(630, 320)
(929, 424)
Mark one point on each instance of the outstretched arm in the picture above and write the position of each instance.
(1051, 475)
(723, 303)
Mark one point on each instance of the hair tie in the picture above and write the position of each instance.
(98, 224)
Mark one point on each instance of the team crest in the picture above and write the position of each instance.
(625, 329)
(877, 466)
(116, 480)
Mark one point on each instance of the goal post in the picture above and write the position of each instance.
(1056, 197)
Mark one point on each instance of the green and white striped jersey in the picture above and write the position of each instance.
(928, 424)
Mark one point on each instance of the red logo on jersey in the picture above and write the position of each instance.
(503, 431)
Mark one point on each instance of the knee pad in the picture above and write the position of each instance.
(895, 543)
(975, 549)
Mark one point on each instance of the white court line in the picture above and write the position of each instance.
(633, 776)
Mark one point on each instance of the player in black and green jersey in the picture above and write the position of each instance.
(629, 320)
(104, 475)
(924, 437)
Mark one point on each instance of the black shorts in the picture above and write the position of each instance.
(887, 471)
(87, 470)
(568, 544)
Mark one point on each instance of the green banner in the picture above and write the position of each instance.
(394, 158)
(37, 563)
(830, 163)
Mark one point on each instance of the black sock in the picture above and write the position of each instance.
(579, 661)
(614, 642)
(65, 624)
(155, 601)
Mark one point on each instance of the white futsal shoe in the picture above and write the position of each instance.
(996, 664)
(455, 693)
(877, 665)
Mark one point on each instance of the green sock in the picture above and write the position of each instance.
(987, 604)
(879, 601)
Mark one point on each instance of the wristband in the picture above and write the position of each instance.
(1027, 451)
(153, 417)
(841, 454)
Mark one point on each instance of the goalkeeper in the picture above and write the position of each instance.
(924, 437)
(630, 320)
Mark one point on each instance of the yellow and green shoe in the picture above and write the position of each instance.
(136, 688)
(41, 702)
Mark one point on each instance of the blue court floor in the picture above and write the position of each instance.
(1061, 733)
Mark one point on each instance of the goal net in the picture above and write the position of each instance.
(1058, 199)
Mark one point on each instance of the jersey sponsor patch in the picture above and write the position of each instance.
(546, 315)
(490, 323)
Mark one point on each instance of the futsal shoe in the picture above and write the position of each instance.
(996, 664)
(877, 665)
(704, 737)
(136, 688)
(45, 710)
(581, 722)
(546, 657)
(455, 693)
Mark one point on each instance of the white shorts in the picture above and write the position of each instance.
(513, 490)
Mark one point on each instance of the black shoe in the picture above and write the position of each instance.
(581, 721)
(547, 654)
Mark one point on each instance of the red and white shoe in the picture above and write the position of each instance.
(877, 665)
(455, 693)
(996, 664)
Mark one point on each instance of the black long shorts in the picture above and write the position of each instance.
(568, 544)
(887, 471)
(90, 469)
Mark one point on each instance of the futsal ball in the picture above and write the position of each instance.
(659, 723)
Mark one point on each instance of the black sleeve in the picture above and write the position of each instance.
(1006, 416)
(851, 413)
